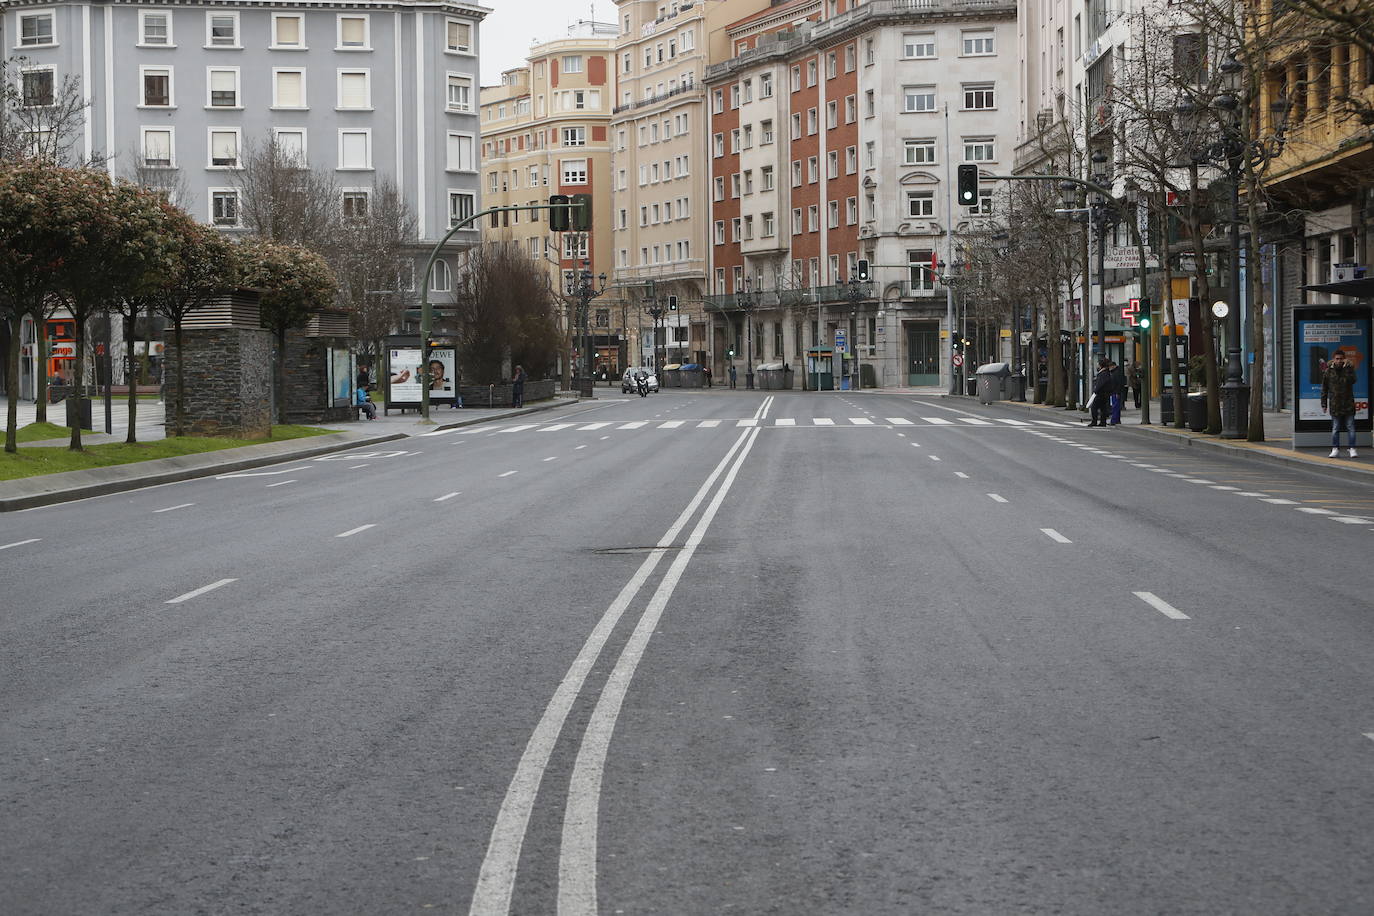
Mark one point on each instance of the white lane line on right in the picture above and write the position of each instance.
(200, 591)
(352, 531)
(961, 474)
(174, 508)
(551, 458)
(1161, 605)
(934, 457)
(1279, 501)
(1311, 510)
(448, 496)
(279, 483)
(997, 499)
(1055, 536)
(354, 467)
(507, 473)
(20, 543)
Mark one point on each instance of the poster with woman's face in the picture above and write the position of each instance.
(408, 372)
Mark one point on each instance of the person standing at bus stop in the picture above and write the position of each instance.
(1338, 399)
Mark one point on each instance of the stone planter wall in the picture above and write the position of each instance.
(228, 382)
(500, 396)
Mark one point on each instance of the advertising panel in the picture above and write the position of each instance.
(342, 371)
(408, 372)
(1318, 332)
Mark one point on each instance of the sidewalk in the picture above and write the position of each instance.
(47, 489)
(1277, 447)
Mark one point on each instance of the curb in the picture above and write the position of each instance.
(1258, 451)
(52, 489)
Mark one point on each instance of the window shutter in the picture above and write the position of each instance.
(353, 90)
(289, 93)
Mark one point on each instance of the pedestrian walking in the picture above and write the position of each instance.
(1118, 392)
(1135, 384)
(706, 371)
(517, 387)
(1100, 403)
(1338, 399)
(732, 375)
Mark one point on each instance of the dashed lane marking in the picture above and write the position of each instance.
(507, 473)
(1159, 604)
(174, 508)
(20, 543)
(352, 531)
(997, 499)
(1056, 536)
(200, 591)
(448, 496)
(279, 483)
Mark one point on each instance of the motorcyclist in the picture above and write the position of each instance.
(642, 383)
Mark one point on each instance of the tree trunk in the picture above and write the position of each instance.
(78, 369)
(1172, 319)
(131, 378)
(1204, 293)
(40, 377)
(12, 384)
(181, 379)
(1255, 430)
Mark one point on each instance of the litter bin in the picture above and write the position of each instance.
(1197, 411)
(584, 387)
(80, 410)
(1015, 386)
(971, 386)
(991, 380)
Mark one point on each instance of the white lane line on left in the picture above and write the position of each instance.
(1055, 536)
(173, 508)
(506, 474)
(448, 496)
(551, 458)
(934, 457)
(279, 483)
(20, 543)
(200, 591)
(352, 531)
(1161, 605)
(354, 467)
(961, 474)
(997, 499)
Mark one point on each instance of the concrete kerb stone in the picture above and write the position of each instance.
(50, 489)
(1318, 464)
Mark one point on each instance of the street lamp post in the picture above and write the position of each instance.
(856, 293)
(585, 290)
(747, 301)
(655, 311)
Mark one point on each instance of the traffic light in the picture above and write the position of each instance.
(1145, 314)
(559, 217)
(582, 212)
(968, 185)
(863, 270)
(730, 353)
(672, 303)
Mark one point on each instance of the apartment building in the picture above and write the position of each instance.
(660, 180)
(835, 133)
(177, 93)
(545, 130)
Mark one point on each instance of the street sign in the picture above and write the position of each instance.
(958, 359)
(1127, 259)
(839, 339)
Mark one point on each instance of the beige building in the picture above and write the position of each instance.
(545, 130)
(660, 175)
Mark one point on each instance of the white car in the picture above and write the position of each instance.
(627, 383)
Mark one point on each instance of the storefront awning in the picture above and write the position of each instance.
(1361, 288)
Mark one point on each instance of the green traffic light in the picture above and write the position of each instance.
(1145, 322)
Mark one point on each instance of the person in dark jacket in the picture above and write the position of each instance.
(1103, 385)
(1338, 399)
(1136, 383)
(1118, 392)
(517, 387)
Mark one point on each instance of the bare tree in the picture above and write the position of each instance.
(40, 119)
(372, 260)
(283, 199)
(505, 309)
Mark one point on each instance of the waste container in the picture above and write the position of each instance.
(81, 407)
(691, 376)
(1015, 386)
(769, 376)
(991, 380)
(971, 387)
(1197, 411)
(584, 387)
(1166, 409)
(671, 376)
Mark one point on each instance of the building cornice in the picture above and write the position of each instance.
(447, 7)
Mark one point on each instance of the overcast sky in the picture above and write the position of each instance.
(514, 25)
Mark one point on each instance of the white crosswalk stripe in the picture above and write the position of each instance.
(633, 424)
(782, 421)
(822, 421)
(974, 421)
(747, 422)
(592, 426)
(787, 422)
(671, 424)
(861, 421)
(938, 421)
(900, 421)
(1013, 422)
(555, 427)
(708, 424)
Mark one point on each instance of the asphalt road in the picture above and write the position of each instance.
(701, 653)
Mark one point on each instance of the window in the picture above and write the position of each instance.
(769, 226)
(869, 109)
(288, 88)
(918, 98)
(830, 66)
(851, 160)
(735, 185)
(870, 157)
(979, 96)
(849, 59)
(720, 232)
(572, 63)
(440, 277)
(458, 36)
(461, 206)
(832, 214)
(766, 177)
(978, 44)
(812, 169)
(155, 28)
(832, 115)
(851, 210)
(222, 30)
(832, 164)
(288, 31)
(574, 136)
(796, 126)
(37, 91)
(811, 121)
(813, 218)
(718, 145)
(765, 133)
(811, 72)
(157, 147)
(224, 87)
(920, 204)
(355, 149)
(766, 86)
(353, 33)
(291, 146)
(718, 187)
(36, 29)
(157, 86)
(459, 92)
(224, 207)
(354, 89)
(354, 203)
(461, 154)
(984, 205)
(918, 263)
(795, 75)
(918, 151)
(734, 96)
(918, 44)
(735, 229)
(224, 149)
(978, 149)
(796, 173)
(574, 171)
(851, 110)
(796, 221)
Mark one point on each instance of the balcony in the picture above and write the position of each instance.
(691, 86)
(904, 9)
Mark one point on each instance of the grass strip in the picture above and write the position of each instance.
(35, 461)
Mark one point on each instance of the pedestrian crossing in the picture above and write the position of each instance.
(749, 422)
